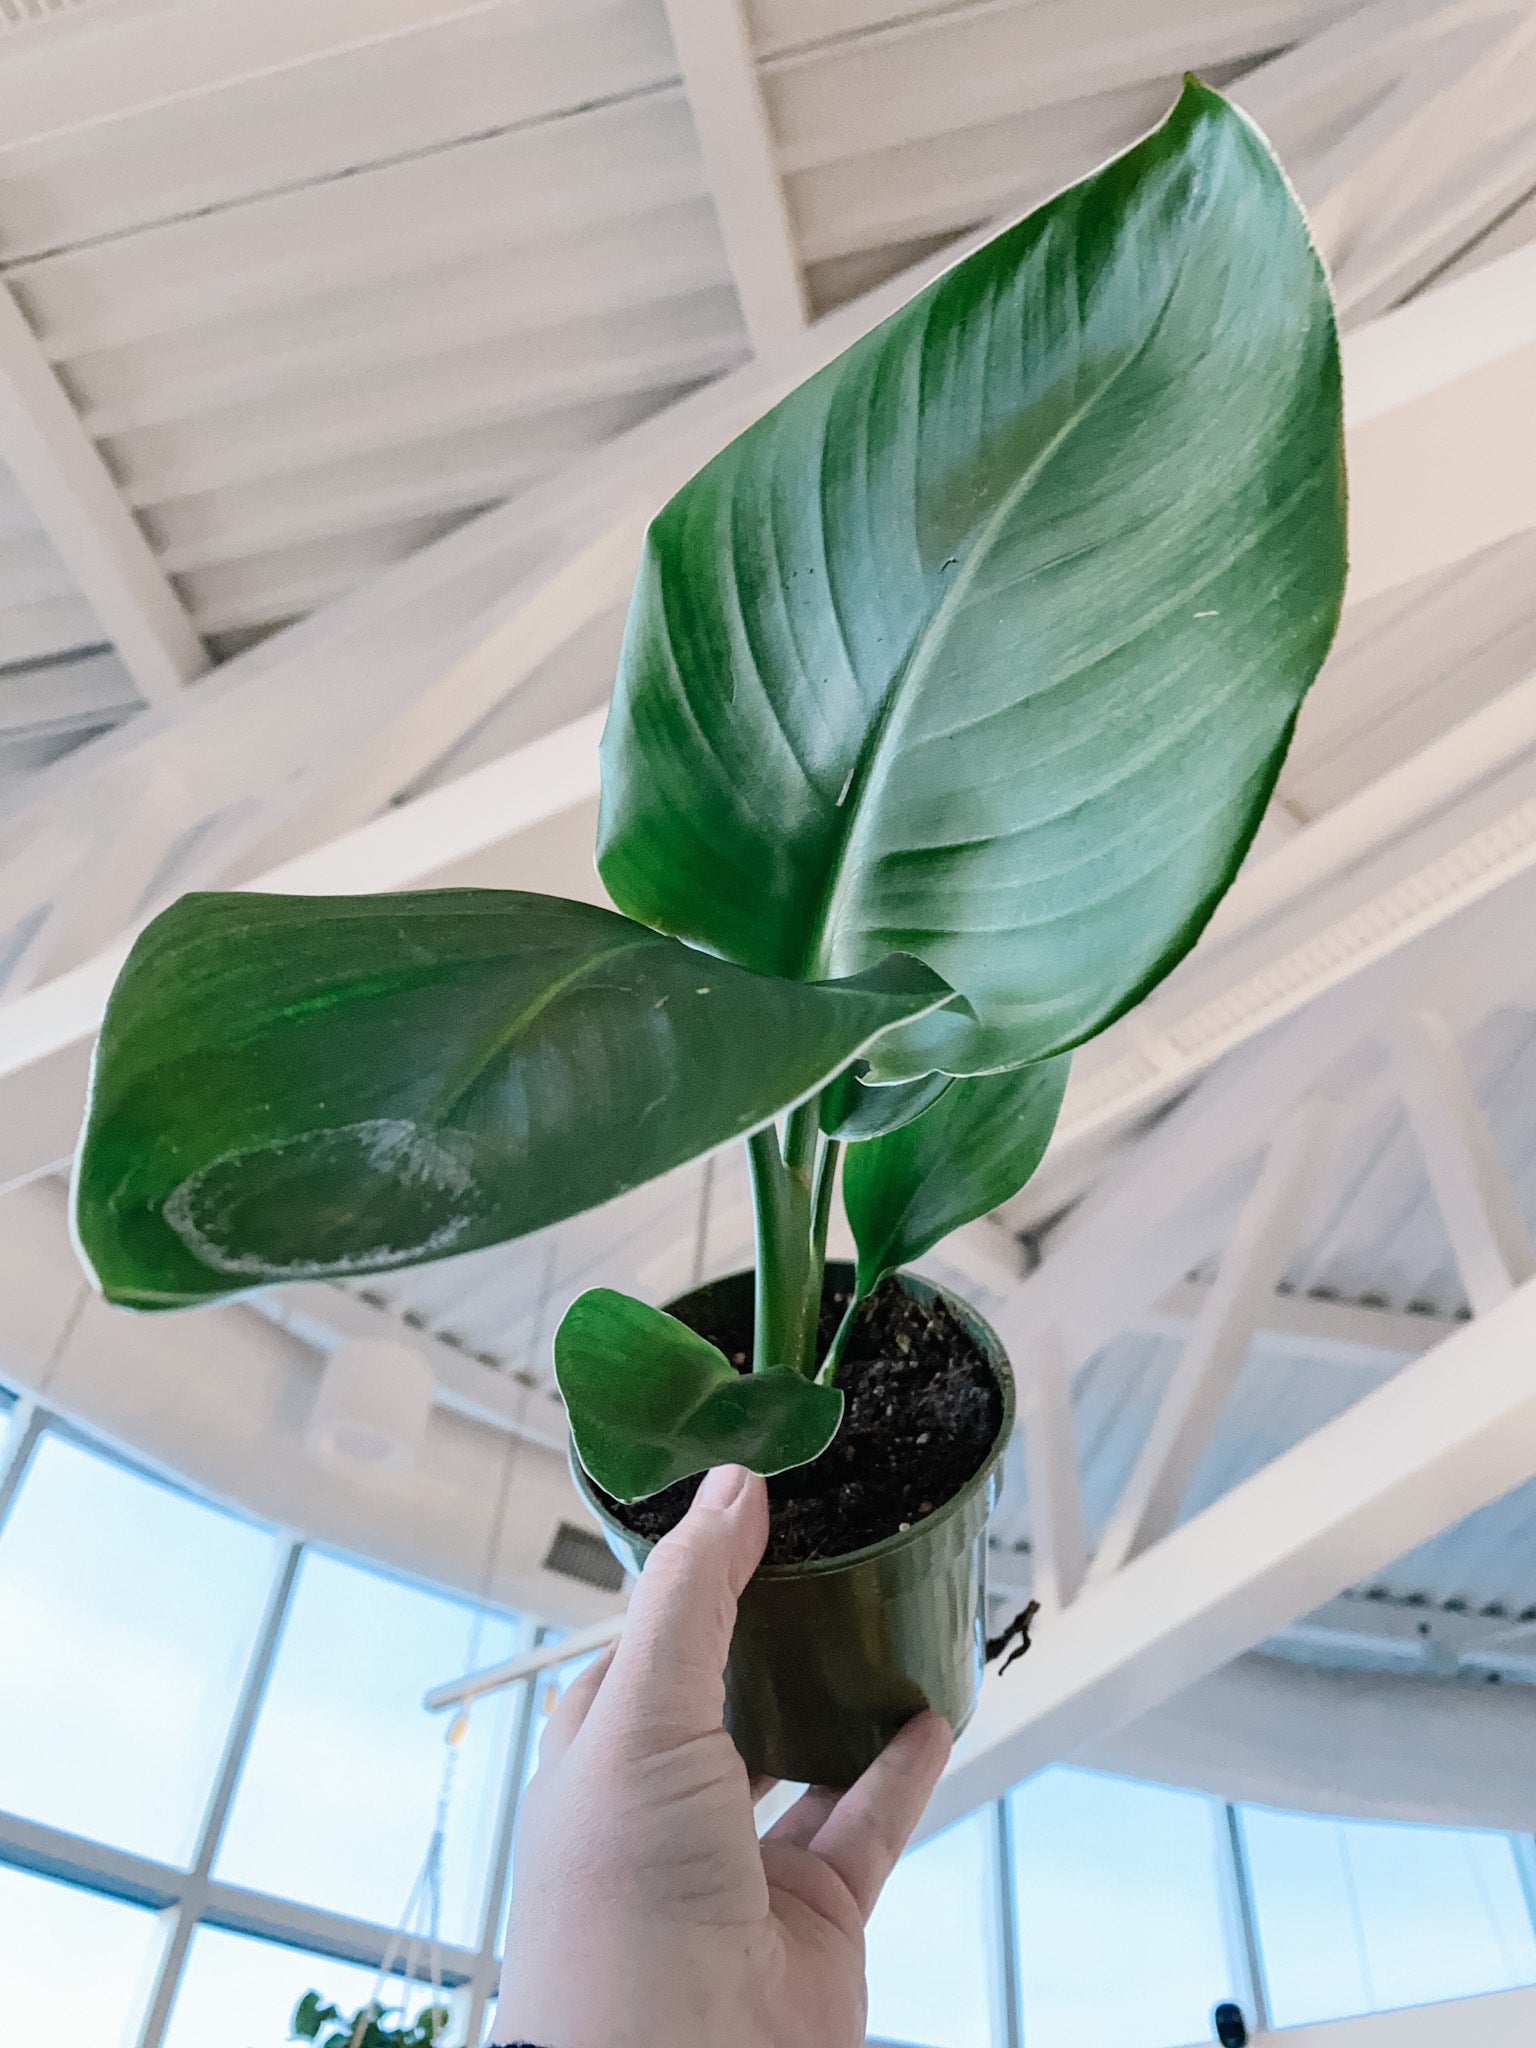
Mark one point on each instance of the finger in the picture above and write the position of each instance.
(667, 1680)
(571, 1710)
(805, 1819)
(759, 1787)
(870, 1826)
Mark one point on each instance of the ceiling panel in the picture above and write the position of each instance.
(965, 68)
(308, 345)
(491, 72)
(946, 183)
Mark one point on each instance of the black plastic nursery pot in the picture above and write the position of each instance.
(830, 1657)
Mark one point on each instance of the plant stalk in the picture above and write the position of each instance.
(787, 1293)
(821, 1204)
(827, 1377)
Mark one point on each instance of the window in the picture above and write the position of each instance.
(82, 1965)
(1358, 1916)
(336, 1802)
(931, 1943)
(547, 1688)
(128, 1611)
(1121, 1924)
(130, 1615)
(240, 1993)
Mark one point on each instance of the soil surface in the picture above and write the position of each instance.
(921, 1411)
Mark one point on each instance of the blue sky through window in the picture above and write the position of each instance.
(240, 1993)
(128, 1612)
(336, 1801)
(80, 1968)
(1120, 1912)
(1359, 1916)
(930, 1943)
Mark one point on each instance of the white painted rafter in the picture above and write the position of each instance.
(107, 64)
(77, 504)
(1482, 1215)
(1253, 1259)
(1058, 1528)
(1437, 143)
(720, 75)
(414, 661)
(1353, 1335)
(1442, 1439)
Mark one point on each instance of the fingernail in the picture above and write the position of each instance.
(722, 1487)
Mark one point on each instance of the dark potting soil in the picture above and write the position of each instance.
(921, 1410)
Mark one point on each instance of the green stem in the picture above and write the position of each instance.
(788, 1289)
(803, 1149)
(828, 1375)
(771, 1211)
(821, 1203)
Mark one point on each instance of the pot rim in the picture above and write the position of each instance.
(978, 1327)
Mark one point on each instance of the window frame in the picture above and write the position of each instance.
(190, 1898)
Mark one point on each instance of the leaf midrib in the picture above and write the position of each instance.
(519, 1023)
(850, 813)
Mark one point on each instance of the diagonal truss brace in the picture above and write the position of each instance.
(1442, 1439)
(1252, 1263)
(1058, 1531)
(1482, 1215)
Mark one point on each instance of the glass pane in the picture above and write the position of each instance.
(83, 1966)
(1358, 1916)
(236, 1992)
(1120, 1910)
(930, 1946)
(336, 1802)
(128, 1612)
(547, 1688)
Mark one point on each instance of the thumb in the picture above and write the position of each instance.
(666, 1683)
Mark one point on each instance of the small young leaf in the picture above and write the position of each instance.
(650, 1401)
(976, 1146)
(852, 1112)
(294, 1087)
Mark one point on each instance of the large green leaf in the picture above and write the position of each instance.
(976, 1146)
(650, 1401)
(986, 643)
(851, 1111)
(292, 1086)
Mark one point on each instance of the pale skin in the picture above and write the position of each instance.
(644, 1907)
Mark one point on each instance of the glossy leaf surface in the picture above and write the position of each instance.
(292, 1087)
(986, 643)
(850, 1111)
(975, 1148)
(650, 1401)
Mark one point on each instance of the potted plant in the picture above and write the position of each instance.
(371, 2026)
(951, 697)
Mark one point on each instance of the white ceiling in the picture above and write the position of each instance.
(320, 285)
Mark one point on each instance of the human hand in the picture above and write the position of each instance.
(644, 1908)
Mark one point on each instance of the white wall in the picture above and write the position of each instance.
(1507, 2019)
(221, 1396)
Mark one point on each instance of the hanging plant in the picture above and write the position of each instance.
(952, 695)
(372, 2026)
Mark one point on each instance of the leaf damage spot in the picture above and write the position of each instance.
(383, 1192)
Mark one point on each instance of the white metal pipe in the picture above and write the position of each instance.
(577, 1644)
